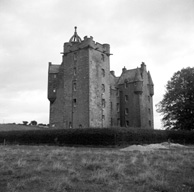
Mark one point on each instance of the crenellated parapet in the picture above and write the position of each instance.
(87, 42)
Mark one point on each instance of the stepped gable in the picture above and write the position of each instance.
(128, 75)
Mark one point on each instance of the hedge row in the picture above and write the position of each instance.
(95, 136)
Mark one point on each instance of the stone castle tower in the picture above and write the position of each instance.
(83, 92)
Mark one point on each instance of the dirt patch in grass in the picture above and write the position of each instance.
(60, 169)
(151, 147)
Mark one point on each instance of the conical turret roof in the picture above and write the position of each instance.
(150, 79)
(138, 76)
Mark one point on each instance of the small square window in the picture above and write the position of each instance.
(55, 76)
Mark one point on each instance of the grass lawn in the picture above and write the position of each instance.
(61, 169)
(11, 127)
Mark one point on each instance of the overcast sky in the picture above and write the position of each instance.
(157, 32)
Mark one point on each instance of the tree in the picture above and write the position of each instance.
(177, 105)
(33, 123)
(25, 122)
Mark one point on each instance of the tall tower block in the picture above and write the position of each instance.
(81, 97)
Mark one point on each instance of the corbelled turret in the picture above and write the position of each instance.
(138, 82)
(150, 84)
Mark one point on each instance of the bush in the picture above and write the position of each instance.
(95, 136)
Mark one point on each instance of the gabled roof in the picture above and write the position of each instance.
(128, 75)
(113, 80)
(54, 68)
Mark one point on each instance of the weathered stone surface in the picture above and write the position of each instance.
(84, 93)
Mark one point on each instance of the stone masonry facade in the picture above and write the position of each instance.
(84, 93)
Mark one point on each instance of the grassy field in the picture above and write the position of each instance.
(61, 169)
(12, 127)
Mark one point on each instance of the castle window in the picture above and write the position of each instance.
(74, 86)
(103, 117)
(80, 125)
(74, 102)
(118, 107)
(55, 76)
(103, 103)
(126, 84)
(102, 57)
(70, 125)
(150, 123)
(118, 122)
(126, 98)
(103, 72)
(117, 92)
(127, 123)
(149, 111)
(74, 71)
(126, 111)
(54, 90)
(103, 88)
(75, 56)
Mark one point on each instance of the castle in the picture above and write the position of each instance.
(83, 92)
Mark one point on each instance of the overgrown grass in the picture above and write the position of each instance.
(60, 169)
